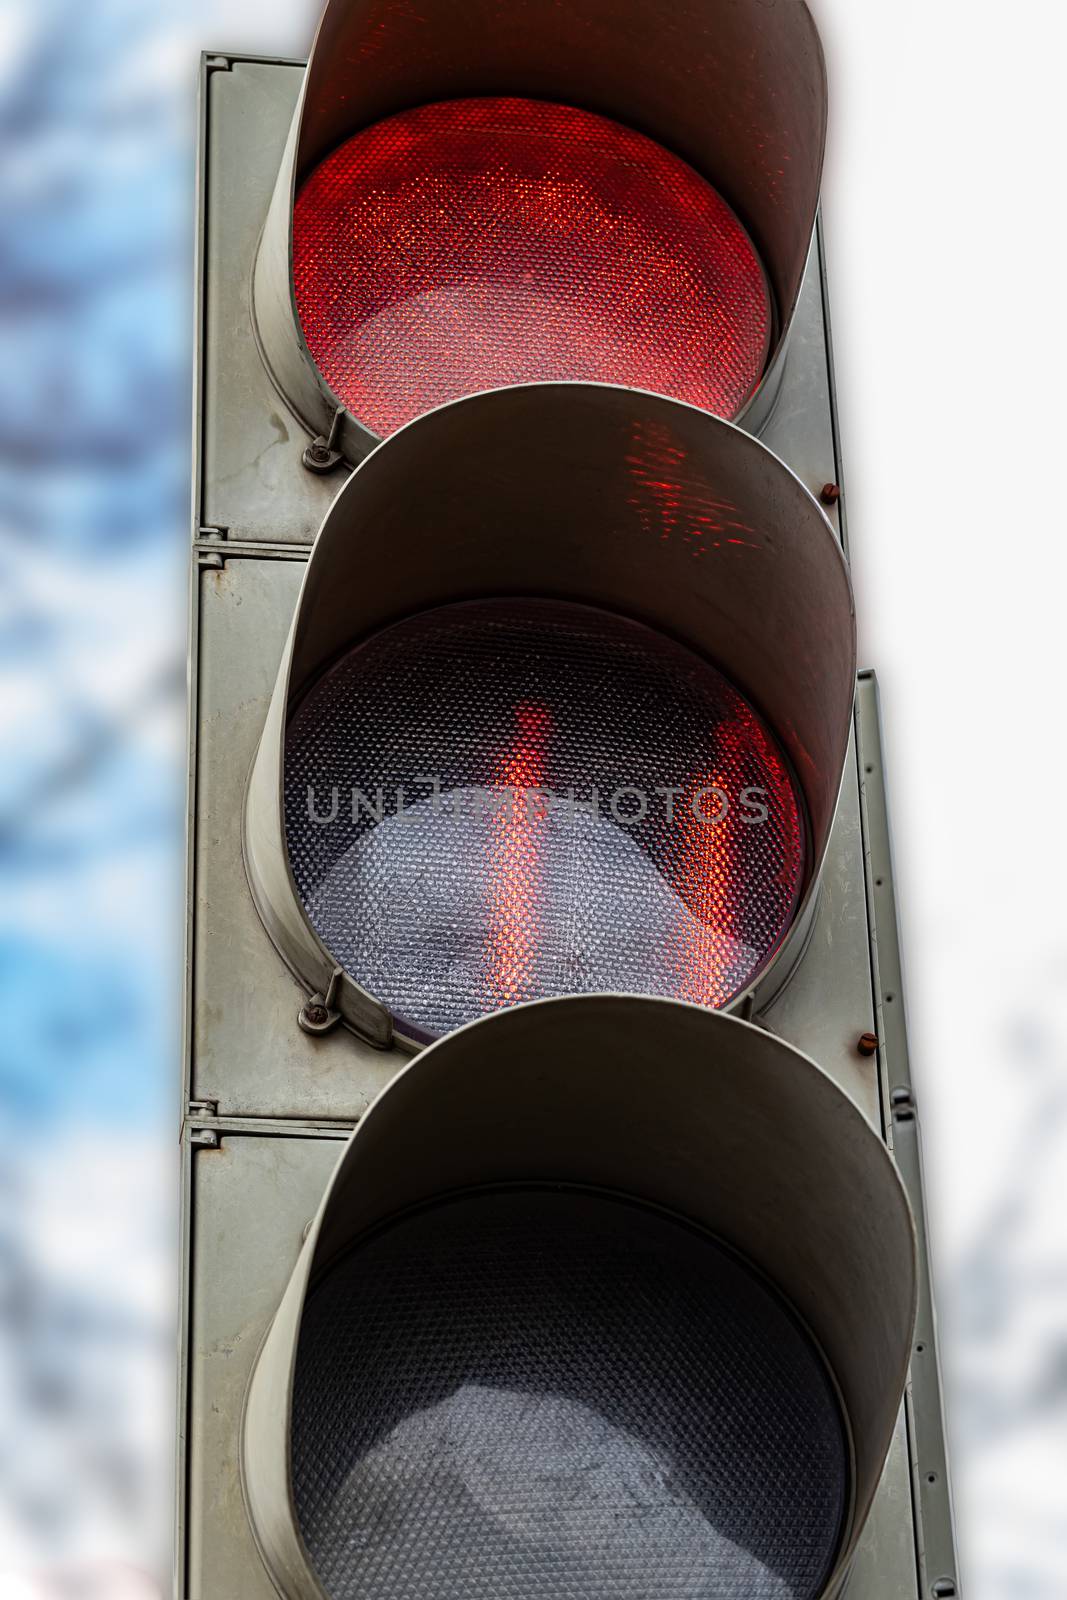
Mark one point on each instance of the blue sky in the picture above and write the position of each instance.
(97, 130)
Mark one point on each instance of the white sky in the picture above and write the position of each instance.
(944, 215)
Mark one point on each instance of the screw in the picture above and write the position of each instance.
(316, 1016)
(867, 1044)
(830, 494)
(318, 457)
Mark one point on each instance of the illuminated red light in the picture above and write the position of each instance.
(474, 244)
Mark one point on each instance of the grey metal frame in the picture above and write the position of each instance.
(555, 468)
(561, 1088)
(255, 1159)
(249, 482)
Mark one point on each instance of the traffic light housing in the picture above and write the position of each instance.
(448, 1247)
(642, 512)
(581, 503)
(729, 104)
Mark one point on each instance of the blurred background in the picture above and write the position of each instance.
(944, 229)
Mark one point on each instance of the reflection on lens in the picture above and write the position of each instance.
(504, 801)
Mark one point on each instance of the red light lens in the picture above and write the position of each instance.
(610, 815)
(480, 243)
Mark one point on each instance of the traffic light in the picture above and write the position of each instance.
(553, 1216)
(485, 761)
(590, 1308)
(624, 193)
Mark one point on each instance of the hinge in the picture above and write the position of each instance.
(204, 1138)
(211, 560)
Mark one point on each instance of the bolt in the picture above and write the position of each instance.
(944, 1589)
(830, 494)
(867, 1044)
(316, 1016)
(319, 457)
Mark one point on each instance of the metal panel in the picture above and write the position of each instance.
(565, 469)
(744, 1136)
(244, 995)
(252, 483)
(826, 1006)
(250, 446)
(934, 1534)
(884, 1568)
(248, 1055)
(250, 1200)
(800, 429)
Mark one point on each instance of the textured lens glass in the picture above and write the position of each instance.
(547, 1395)
(504, 801)
(474, 244)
